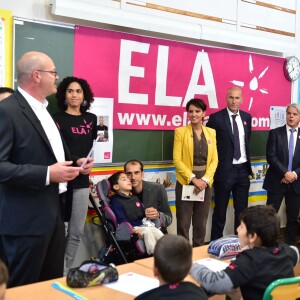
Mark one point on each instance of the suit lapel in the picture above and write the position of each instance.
(297, 147)
(244, 121)
(31, 116)
(209, 143)
(284, 139)
(190, 138)
(245, 126)
(228, 123)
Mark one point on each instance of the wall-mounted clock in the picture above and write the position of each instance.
(292, 68)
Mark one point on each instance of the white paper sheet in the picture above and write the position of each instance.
(133, 284)
(213, 264)
(188, 194)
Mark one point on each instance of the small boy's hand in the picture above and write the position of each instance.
(138, 232)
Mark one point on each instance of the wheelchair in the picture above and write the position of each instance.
(122, 245)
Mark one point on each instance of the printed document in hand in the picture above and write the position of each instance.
(188, 195)
(91, 151)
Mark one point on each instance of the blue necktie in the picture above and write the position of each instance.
(291, 149)
(236, 139)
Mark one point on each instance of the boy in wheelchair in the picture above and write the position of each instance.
(128, 208)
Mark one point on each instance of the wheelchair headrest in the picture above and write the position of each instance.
(103, 189)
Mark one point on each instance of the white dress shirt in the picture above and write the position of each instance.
(51, 130)
(295, 135)
(240, 125)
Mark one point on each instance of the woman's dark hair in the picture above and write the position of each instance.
(262, 220)
(199, 103)
(88, 95)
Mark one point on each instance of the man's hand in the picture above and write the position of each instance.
(151, 213)
(87, 167)
(62, 171)
(289, 177)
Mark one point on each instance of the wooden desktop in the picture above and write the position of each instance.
(44, 290)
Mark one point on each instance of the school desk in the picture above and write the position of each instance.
(44, 290)
(198, 253)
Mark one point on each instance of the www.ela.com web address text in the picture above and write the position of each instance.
(128, 119)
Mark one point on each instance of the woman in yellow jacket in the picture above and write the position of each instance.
(195, 158)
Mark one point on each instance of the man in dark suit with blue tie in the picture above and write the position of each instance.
(233, 130)
(282, 178)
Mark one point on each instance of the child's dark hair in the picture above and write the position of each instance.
(199, 103)
(3, 273)
(113, 179)
(262, 220)
(173, 257)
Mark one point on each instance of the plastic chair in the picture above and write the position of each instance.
(283, 289)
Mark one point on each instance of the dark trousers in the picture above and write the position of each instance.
(35, 258)
(292, 202)
(195, 211)
(238, 183)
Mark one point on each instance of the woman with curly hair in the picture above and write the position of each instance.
(74, 97)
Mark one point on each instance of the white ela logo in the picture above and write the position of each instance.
(127, 70)
(254, 81)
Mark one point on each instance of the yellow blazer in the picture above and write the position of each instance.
(183, 153)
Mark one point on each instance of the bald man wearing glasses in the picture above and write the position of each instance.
(35, 166)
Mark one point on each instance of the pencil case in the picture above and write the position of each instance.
(91, 273)
(225, 247)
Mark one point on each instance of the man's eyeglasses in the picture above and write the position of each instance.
(52, 72)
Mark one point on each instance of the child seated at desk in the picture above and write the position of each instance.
(263, 260)
(3, 279)
(128, 208)
(172, 263)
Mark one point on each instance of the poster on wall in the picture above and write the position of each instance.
(103, 109)
(277, 116)
(164, 175)
(6, 51)
(150, 80)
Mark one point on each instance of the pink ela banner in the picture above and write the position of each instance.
(151, 79)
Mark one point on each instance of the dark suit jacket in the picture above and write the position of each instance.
(27, 205)
(277, 152)
(221, 123)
